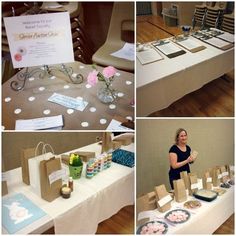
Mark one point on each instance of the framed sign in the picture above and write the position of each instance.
(36, 40)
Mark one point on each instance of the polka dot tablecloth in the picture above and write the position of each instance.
(32, 102)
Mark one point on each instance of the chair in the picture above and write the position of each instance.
(121, 30)
(228, 23)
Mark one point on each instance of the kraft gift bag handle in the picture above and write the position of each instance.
(34, 171)
(44, 151)
(37, 148)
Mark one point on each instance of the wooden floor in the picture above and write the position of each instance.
(227, 227)
(215, 99)
(120, 223)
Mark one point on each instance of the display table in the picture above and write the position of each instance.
(91, 202)
(32, 101)
(161, 83)
(206, 219)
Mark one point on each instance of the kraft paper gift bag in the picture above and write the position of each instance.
(207, 181)
(50, 191)
(125, 139)
(26, 154)
(34, 168)
(145, 203)
(230, 171)
(184, 176)
(193, 182)
(216, 176)
(224, 174)
(116, 145)
(106, 142)
(163, 198)
(179, 190)
(152, 204)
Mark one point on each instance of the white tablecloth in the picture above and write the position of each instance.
(161, 83)
(207, 218)
(92, 201)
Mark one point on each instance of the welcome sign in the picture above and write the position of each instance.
(36, 40)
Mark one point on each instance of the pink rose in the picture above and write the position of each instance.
(109, 71)
(92, 78)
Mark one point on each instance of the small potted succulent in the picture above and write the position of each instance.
(75, 166)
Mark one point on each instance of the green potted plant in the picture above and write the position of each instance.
(75, 166)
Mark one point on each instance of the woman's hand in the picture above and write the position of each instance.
(190, 159)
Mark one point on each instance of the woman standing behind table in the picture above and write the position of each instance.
(180, 156)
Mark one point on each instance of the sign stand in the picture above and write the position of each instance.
(43, 72)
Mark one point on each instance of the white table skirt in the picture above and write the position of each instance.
(91, 202)
(206, 219)
(161, 83)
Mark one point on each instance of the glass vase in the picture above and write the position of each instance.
(107, 94)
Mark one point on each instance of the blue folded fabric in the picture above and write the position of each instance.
(123, 157)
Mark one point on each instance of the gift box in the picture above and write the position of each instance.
(163, 198)
(184, 176)
(179, 190)
(207, 181)
(193, 182)
(85, 156)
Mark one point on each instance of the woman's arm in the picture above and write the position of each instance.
(173, 161)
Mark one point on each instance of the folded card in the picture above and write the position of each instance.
(66, 101)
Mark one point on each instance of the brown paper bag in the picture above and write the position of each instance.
(162, 194)
(224, 175)
(4, 188)
(116, 145)
(216, 176)
(125, 139)
(145, 203)
(193, 182)
(106, 142)
(179, 190)
(231, 173)
(26, 154)
(207, 181)
(49, 192)
(152, 204)
(185, 177)
(142, 205)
